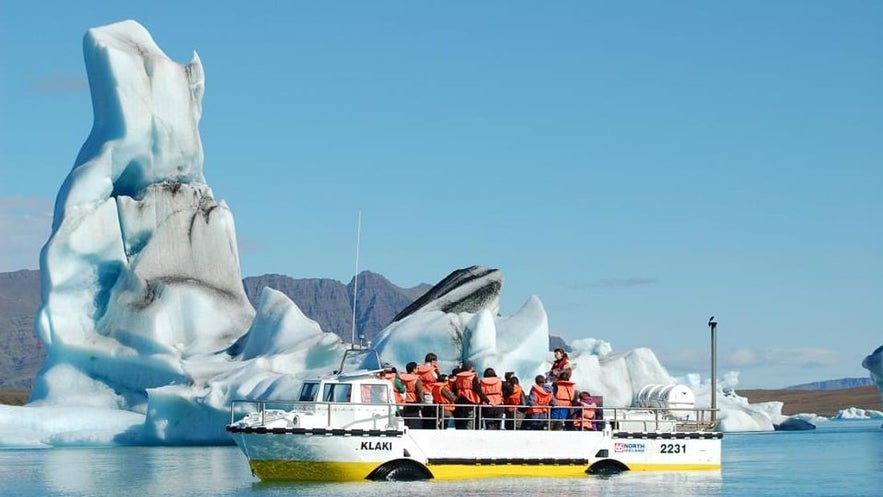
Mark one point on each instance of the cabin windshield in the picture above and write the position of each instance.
(337, 392)
(358, 359)
(308, 392)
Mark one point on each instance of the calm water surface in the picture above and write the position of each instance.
(839, 458)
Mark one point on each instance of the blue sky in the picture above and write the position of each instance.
(639, 166)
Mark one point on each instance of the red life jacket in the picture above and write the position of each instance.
(544, 398)
(515, 398)
(493, 390)
(564, 392)
(464, 386)
(410, 381)
(427, 375)
(583, 420)
(438, 398)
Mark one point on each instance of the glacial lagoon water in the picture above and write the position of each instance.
(839, 458)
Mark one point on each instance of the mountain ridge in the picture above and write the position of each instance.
(326, 301)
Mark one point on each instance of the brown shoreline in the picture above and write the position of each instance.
(14, 397)
(821, 402)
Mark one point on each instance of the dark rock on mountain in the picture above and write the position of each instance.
(556, 342)
(464, 290)
(329, 302)
(21, 353)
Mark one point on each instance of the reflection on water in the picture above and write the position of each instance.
(698, 483)
(839, 458)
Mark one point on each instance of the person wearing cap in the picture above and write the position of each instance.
(584, 419)
(469, 394)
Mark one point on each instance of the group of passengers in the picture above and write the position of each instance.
(431, 399)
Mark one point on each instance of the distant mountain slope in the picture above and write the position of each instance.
(329, 302)
(821, 402)
(841, 384)
(21, 354)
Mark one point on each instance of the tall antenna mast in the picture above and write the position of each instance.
(356, 278)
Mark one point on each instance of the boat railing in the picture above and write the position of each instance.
(336, 414)
(470, 416)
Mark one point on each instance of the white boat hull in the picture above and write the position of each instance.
(346, 455)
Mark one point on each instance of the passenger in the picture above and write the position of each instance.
(507, 391)
(564, 391)
(539, 400)
(492, 387)
(559, 365)
(390, 374)
(444, 399)
(469, 395)
(428, 372)
(452, 379)
(413, 396)
(514, 400)
(584, 419)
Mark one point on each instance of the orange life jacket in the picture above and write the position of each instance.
(515, 398)
(544, 398)
(391, 378)
(427, 374)
(464, 386)
(564, 392)
(493, 390)
(438, 398)
(583, 420)
(410, 381)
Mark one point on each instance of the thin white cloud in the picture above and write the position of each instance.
(747, 358)
(614, 283)
(25, 224)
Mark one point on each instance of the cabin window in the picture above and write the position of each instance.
(337, 392)
(374, 394)
(308, 392)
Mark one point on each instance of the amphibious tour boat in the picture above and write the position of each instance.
(346, 426)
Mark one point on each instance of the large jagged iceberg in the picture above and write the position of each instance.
(874, 364)
(148, 330)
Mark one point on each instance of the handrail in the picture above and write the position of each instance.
(470, 416)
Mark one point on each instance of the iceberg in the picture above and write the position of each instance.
(874, 364)
(149, 334)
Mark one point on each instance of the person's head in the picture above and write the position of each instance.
(564, 375)
(456, 371)
(560, 354)
(508, 374)
(411, 367)
(442, 378)
(490, 373)
(431, 358)
(513, 380)
(585, 396)
(468, 366)
(540, 379)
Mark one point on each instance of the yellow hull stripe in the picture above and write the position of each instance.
(356, 471)
(312, 470)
